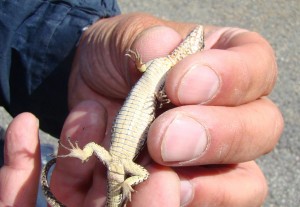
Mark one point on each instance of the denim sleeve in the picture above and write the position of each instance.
(37, 44)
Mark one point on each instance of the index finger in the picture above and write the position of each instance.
(72, 181)
(236, 67)
(20, 172)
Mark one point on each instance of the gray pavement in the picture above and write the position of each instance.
(279, 22)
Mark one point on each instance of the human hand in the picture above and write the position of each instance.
(221, 123)
(19, 176)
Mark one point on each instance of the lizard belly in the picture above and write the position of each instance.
(130, 128)
(131, 125)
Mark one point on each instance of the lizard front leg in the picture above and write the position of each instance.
(136, 57)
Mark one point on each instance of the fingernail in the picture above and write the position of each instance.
(186, 192)
(198, 85)
(185, 139)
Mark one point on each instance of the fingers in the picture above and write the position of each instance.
(101, 54)
(236, 67)
(222, 185)
(193, 135)
(73, 182)
(162, 188)
(19, 176)
(100, 61)
(229, 185)
(157, 41)
(224, 74)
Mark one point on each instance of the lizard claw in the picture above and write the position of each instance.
(136, 57)
(126, 191)
(70, 143)
(162, 98)
(75, 151)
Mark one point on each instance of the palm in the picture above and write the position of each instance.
(102, 77)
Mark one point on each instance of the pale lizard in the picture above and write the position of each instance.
(131, 125)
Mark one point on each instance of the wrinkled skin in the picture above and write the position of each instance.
(199, 153)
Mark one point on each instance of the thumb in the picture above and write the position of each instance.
(19, 175)
(154, 42)
(100, 62)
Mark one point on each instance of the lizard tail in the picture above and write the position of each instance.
(51, 199)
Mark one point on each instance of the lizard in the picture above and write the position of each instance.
(129, 131)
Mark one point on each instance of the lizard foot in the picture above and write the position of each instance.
(136, 57)
(75, 151)
(126, 191)
(162, 98)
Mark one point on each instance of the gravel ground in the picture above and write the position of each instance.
(279, 22)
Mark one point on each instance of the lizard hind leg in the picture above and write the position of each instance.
(137, 173)
(126, 191)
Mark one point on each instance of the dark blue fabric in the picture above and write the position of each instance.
(37, 43)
